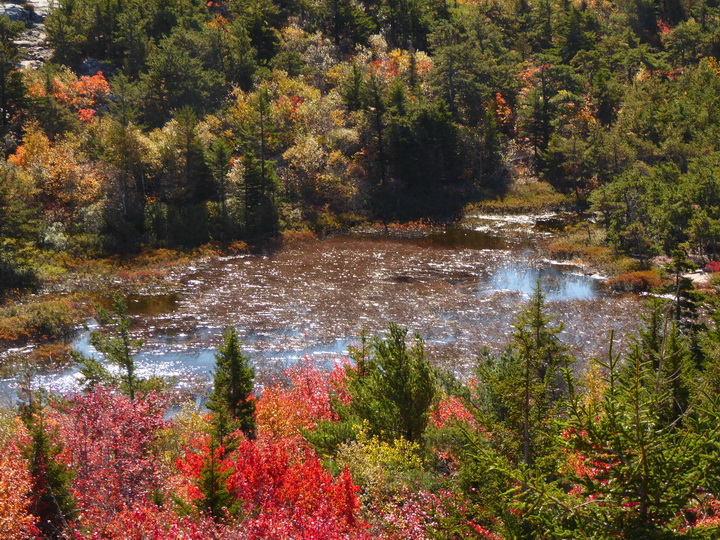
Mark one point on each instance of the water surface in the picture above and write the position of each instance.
(460, 288)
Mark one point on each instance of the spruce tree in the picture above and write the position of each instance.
(231, 400)
(648, 467)
(522, 388)
(352, 88)
(216, 500)
(260, 177)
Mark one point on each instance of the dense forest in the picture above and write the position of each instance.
(177, 123)
(165, 125)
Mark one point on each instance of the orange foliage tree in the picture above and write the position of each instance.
(65, 181)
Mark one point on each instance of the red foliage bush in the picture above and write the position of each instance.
(282, 496)
(108, 443)
(146, 520)
(451, 410)
(282, 413)
(15, 484)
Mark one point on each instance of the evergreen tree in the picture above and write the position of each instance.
(576, 32)
(375, 119)
(218, 159)
(392, 386)
(18, 224)
(216, 500)
(231, 399)
(633, 464)
(12, 89)
(352, 88)
(260, 178)
(422, 146)
(118, 347)
(455, 58)
(229, 48)
(672, 354)
(261, 20)
(648, 468)
(260, 181)
(178, 75)
(346, 22)
(523, 387)
(51, 500)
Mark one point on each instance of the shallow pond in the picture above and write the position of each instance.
(459, 288)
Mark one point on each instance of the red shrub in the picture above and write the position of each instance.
(109, 445)
(284, 497)
(282, 413)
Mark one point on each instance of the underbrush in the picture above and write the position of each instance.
(49, 355)
(585, 243)
(15, 274)
(294, 236)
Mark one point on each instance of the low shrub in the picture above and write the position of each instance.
(562, 249)
(533, 197)
(237, 247)
(44, 321)
(639, 281)
(294, 236)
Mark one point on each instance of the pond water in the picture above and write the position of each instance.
(459, 288)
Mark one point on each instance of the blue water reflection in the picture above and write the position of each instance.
(557, 282)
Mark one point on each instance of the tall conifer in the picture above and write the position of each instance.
(231, 400)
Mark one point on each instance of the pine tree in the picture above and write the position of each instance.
(231, 399)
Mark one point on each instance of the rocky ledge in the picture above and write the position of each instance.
(32, 42)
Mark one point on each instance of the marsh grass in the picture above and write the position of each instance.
(533, 197)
